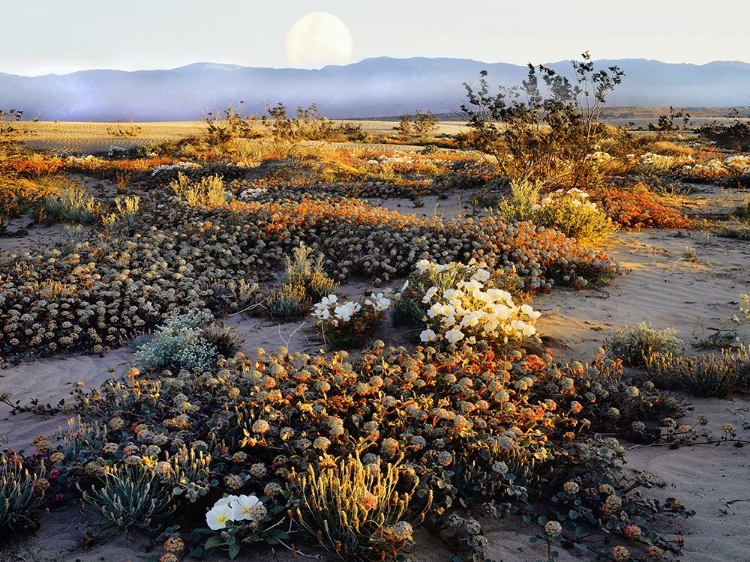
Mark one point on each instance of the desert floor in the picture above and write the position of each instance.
(657, 286)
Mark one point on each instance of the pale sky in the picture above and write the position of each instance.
(60, 36)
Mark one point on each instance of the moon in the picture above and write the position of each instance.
(318, 39)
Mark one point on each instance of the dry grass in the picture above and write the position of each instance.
(88, 137)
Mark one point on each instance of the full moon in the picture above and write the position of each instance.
(318, 39)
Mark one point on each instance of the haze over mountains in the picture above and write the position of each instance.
(375, 87)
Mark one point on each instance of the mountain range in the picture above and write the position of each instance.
(375, 87)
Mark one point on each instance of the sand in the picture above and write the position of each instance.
(656, 286)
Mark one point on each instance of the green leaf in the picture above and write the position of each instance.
(197, 552)
(542, 520)
(573, 514)
(234, 550)
(177, 491)
(213, 542)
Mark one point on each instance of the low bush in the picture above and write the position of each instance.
(636, 345)
(72, 204)
(703, 375)
(178, 344)
(209, 191)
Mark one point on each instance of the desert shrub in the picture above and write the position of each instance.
(569, 211)
(665, 124)
(287, 301)
(703, 375)
(302, 282)
(422, 124)
(209, 191)
(10, 133)
(228, 126)
(72, 204)
(636, 345)
(355, 510)
(124, 130)
(223, 339)
(20, 493)
(131, 496)
(736, 231)
(301, 269)
(734, 135)
(345, 324)
(538, 137)
(178, 344)
(125, 214)
(519, 206)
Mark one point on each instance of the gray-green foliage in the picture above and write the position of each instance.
(636, 345)
(17, 497)
(73, 204)
(178, 344)
(703, 375)
(131, 496)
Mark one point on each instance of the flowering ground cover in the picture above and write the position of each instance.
(210, 450)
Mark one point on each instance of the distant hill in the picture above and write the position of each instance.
(373, 87)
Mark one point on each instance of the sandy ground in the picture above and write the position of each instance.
(657, 286)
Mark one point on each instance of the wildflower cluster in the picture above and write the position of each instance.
(638, 207)
(346, 323)
(472, 308)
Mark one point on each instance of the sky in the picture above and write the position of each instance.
(60, 36)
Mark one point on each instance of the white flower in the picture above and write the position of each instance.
(242, 508)
(449, 294)
(423, 265)
(536, 207)
(429, 294)
(344, 312)
(427, 336)
(481, 275)
(453, 335)
(530, 312)
(379, 302)
(218, 516)
(329, 300)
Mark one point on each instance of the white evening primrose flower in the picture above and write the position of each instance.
(453, 335)
(219, 516)
(449, 294)
(428, 336)
(434, 310)
(329, 300)
(378, 302)
(481, 275)
(530, 312)
(447, 310)
(423, 265)
(321, 311)
(536, 207)
(448, 321)
(242, 508)
(429, 294)
(344, 312)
